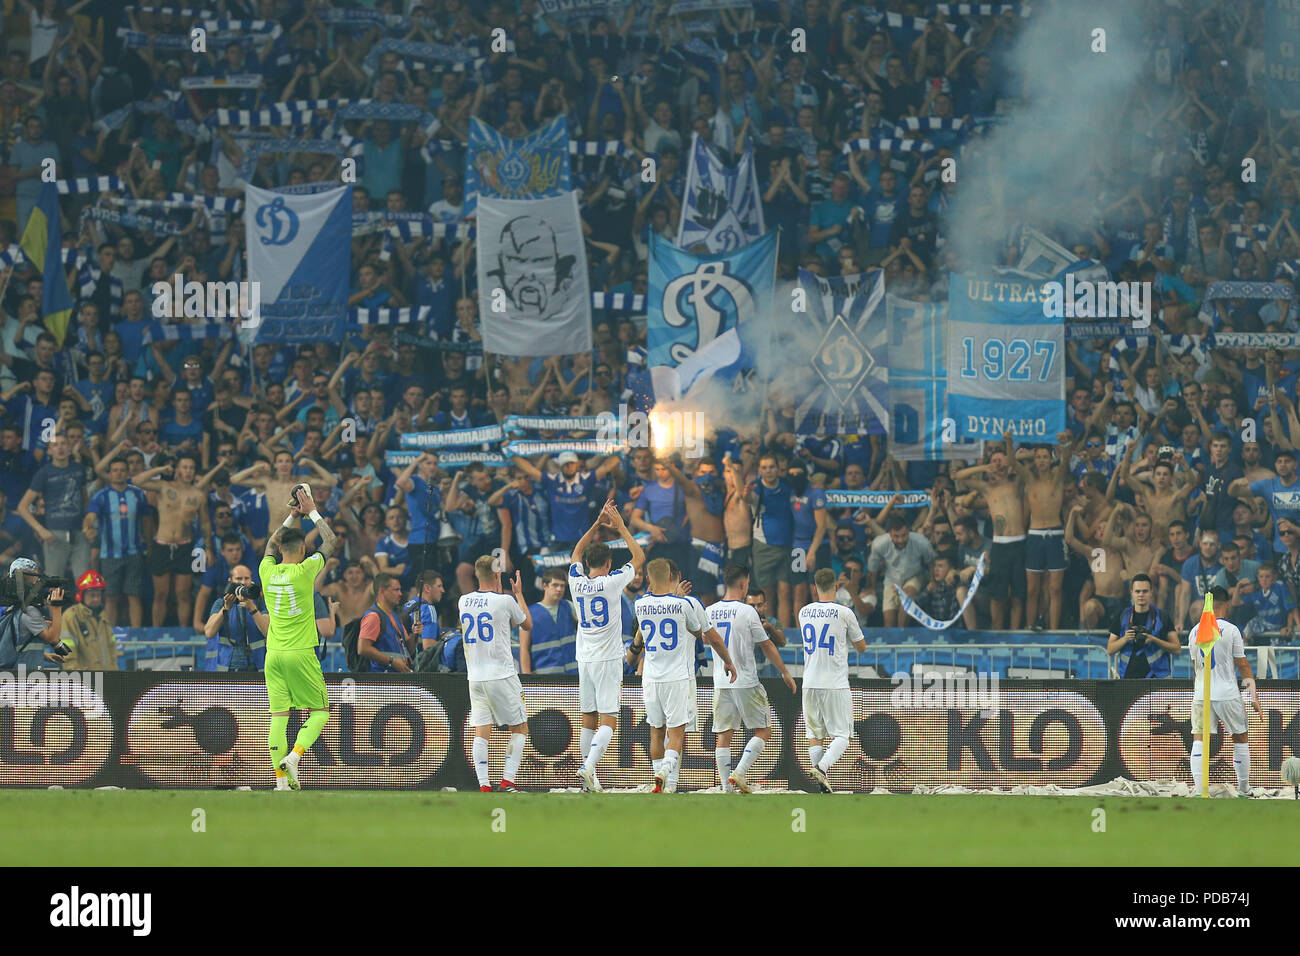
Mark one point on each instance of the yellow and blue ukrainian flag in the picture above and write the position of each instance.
(43, 244)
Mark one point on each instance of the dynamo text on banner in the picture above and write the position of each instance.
(534, 294)
(300, 256)
(1006, 360)
(696, 299)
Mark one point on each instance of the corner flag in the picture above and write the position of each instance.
(1207, 635)
(43, 243)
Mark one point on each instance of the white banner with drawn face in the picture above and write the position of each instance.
(532, 276)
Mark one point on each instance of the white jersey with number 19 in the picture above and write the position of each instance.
(485, 620)
(599, 603)
(827, 629)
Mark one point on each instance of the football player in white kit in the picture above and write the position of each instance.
(667, 626)
(495, 696)
(1226, 706)
(745, 701)
(827, 628)
(598, 600)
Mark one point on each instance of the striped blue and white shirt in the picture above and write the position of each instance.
(530, 515)
(118, 514)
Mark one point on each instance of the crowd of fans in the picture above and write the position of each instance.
(162, 462)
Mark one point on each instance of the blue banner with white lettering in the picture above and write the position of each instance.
(694, 300)
(299, 261)
(534, 167)
(1006, 359)
(918, 383)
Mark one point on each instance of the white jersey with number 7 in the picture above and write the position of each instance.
(485, 621)
(826, 628)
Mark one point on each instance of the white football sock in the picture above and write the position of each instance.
(1241, 763)
(833, 753)
(481, 761)
(657, 765)
(514, 756)
(723, 757)
(672, 763)
(585, 737)
(752, 750)
(815, 753)
(1196, 766)
(598, 745)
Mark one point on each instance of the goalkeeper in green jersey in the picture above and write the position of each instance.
(293, 674)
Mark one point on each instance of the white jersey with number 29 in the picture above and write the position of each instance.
(599, 603)
(826, 629)
(485, 621)
(668, 624)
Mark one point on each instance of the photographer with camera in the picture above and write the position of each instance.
(33, 607)
(1142, 639)
(236, 626)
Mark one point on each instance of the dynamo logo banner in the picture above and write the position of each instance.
(1006, 360)
(693, 300)
(534, 167)
(300, 256)
(723, 205)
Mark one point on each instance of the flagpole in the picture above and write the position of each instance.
(1205, 725)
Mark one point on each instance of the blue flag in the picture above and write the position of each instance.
(299, 261)
(1006, 359)
(534, 167)
(723, 205)
(43, 243)
(694, 300)
(850, 361)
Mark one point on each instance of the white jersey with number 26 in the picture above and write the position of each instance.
(485, 621)
(826, 629)
(599, 603)
(667, 624)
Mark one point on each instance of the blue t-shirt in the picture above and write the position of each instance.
(424, 505)
(133, 336)
(1283, 502)
(774, 519)
(570, 502)
(1271, 607)
(881, 211)
(171, 433)
(62, 489)
(1200, 574)
(398, 554)
(118, 515)
(805, 508)
(658, 503)
(829, 213)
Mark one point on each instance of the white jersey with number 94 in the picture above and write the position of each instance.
(827, 629)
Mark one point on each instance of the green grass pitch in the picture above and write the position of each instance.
(348, 828)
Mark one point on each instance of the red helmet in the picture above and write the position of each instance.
(91, 579)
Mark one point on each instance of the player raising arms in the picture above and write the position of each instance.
(597, 594)
(495, 696)
(1228, 659)
(293, 674)
(827, 628)
(668, 626)
(746, 699)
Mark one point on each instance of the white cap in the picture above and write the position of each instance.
(567, 458)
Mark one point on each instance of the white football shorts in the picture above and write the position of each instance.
(734, 706)
(1231, 713)
(670, 703)
(600, 685)
(828, 712)
(497, 702)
